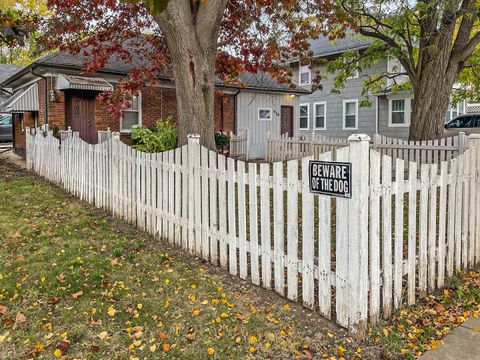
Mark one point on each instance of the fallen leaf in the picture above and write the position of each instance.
(166, 347)
(77, 294)
(3, 309)
(16, 235)
(211, 351)
(57, 353)
(103, 335)
(111, 311)
(61, 278)
(54, 300)
(20, 318)
(21, 258)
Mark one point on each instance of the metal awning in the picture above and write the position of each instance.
(83, 83)
(23, 100)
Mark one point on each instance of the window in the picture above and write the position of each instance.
(320, 115)
(133, 115)
(355, 74)
(462, 122)
(350, 114)
(304, 115)
(457, 109)
(397, 112)
(305, 75)
(265, 114)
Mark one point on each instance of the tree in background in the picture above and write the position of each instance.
(18, 30)
(433, 40)
(192, 40)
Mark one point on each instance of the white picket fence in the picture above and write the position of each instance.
(354, 260)
(239, 145)
(283, 148)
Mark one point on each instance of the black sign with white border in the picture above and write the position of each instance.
(330, 178)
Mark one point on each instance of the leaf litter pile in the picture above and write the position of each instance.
(76, 283)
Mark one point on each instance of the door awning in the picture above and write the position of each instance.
(23, 100)
(83, 83)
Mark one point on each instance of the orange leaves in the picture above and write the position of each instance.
(16, 235)
(3, 309)
(166, 347)
(77, 294)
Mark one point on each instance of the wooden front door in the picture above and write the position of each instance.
(286, 125)
(83, 118)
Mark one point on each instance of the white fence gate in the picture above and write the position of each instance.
(355, 260)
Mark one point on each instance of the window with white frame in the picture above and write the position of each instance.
(397, 109)
(457, 109)
(304, 116)
(320, 110)
(400, 112)
(305, 75)
(265, 114)
(350, 114)
(133, 115)
(355, 74)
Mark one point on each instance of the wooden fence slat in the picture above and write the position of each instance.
(278, 228)
(465, 210)
(265, 225)
(458, 212)
(324, 251)
(212, 171)
(399, 227)
(387, 234)
(375, 162)
(292, 230)
(423, 230)
(432, 228)
(412, 231)
(205, 222)
(451, 213)
(341, 268)
(222, 206)
(308, 245)
(242, 221)
(232, 222)
(442, 219)
(253, 223)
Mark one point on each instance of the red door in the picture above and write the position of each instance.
(286, 125)
(83, 118)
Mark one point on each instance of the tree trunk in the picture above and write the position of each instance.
(191, 33)
(432, 97)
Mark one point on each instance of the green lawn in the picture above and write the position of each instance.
(75, 283)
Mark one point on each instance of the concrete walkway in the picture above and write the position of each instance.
(462, 344)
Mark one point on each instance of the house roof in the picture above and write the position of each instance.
(7, 70)
(63, 60)
(322, 46)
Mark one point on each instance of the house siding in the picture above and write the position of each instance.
(248, 103)
(334, 103)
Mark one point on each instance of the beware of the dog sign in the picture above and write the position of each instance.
(331, 178)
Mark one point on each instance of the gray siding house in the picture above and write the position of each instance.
(340, 115)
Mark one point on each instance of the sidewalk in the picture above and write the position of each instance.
(462, 344)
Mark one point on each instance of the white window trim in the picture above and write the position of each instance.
(324, 103)
(264, 119)
(457, 106)
(355, 75)
(345, 102)
(125, 131)
(407, 111)
(308, 116)
(300, 75)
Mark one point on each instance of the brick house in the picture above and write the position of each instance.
(53, 91)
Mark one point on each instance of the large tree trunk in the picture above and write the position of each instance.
(432, 91)
(191, 33)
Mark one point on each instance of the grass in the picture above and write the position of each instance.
(76, 283)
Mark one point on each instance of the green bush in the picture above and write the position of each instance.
(162, 138)
(222, 140)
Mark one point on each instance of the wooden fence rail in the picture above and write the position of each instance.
(283, 148)
(239, 145)
(355, 260)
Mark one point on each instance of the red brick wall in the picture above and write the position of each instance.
(18, 134)
(157, 103)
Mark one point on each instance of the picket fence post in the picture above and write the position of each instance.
(474, 213)
(193, 140)
(358, 282)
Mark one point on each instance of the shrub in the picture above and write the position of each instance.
(222, 140)
(162, 138)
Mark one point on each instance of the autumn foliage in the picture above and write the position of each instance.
(253, 35)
